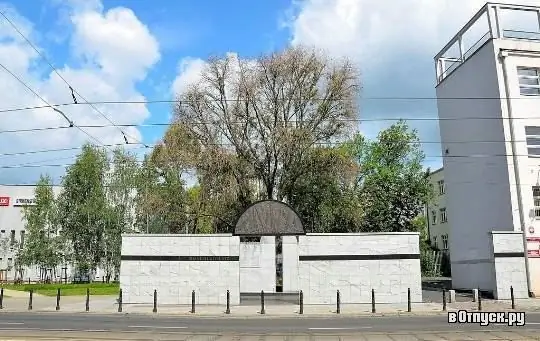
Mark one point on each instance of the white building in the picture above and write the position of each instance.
(437, 216)
(488, 92)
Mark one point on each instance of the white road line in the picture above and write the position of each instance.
(533, 323)
(157, 327)
(340, 328)
(11, 323)
(96, 330)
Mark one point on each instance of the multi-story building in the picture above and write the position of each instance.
(437, 217)
(488, 96)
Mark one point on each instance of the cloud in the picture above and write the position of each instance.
(116, 50)
(189, 72)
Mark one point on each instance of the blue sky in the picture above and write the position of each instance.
(134, 50)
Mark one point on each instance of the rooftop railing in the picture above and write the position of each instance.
(492, 21)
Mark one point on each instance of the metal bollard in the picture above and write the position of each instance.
(338, 303)
(262, 303)
(479, 300)
(444, 300)
(30, 299)
(120, 301)
(511, 298)
(409, 300)
(193, 301)
(301, 302)
(373, 310)
(155, 302)
(58, 299)
(1, 298)
(87, 305)
(228, 311)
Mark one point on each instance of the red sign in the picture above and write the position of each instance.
(4, 201)
(533, 247)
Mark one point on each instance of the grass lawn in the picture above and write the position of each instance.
(99, 289)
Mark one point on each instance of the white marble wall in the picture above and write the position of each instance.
(258, 265)
(319, 279)
(290, 264)
(508, 271)
(175, 280)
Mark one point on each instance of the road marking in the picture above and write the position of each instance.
(157, 327)
(340, 328)
(96, 330)
(533, 323)
(11, 323)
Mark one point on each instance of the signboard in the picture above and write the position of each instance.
(4, 201)
(24, 202)
(533, 247)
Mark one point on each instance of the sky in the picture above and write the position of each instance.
(135, 50)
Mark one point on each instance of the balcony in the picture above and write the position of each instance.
(493, 21)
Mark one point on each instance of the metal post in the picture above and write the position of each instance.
(120, 301)
(409, 300)
(511, 298)
(30, 299)
(262, 303)
(373, 310)
(444, 300)
(228, 311)
(193, 301)
(1, 298)
(479, 300)
(58, 299)
(155, 302)
(301, 302)
(338, 303)
(87, 307)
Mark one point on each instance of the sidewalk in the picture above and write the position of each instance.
(108, 305)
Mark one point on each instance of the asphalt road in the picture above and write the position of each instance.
(130, 323)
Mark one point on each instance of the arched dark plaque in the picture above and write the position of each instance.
(269, 218)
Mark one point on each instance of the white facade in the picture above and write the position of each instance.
(437, 213)
(258, 265)
(484, 109)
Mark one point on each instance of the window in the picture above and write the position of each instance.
(532, 135)
(435, 242)
(12, 237)
(444, 241)
(10, 262)
(529, 81)
(444, 218)
(22, 238)
(440, 183)
(434, 217)
(536, 199)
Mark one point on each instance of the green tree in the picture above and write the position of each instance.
(393, 186)
(43, 245)
(83, 209)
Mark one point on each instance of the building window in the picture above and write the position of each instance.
(529, 81)
(12, 237)
(435, 242)
(10, 262)
(433, 218)
(444, 241)
(22, 238)
(532, 135)
(444, 218)
(536, 199)
(440, 183)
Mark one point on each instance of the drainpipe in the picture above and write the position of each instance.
(503, 54)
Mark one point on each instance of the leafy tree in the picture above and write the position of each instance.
(392, 185)
(83, 208)
(43, 245)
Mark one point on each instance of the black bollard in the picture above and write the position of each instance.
(87, 306)
(1, 298)
(262, 303)
(120, 301)
(58, 299)
(155, 302)
(444, 300)
(301, 302)
(338, 302)
(409, 300)
(511, 298)
(479, 300)
(30, 299)
(373, 310)
(193, 301)
(228, 311)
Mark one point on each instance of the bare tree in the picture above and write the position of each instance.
(265, 114)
